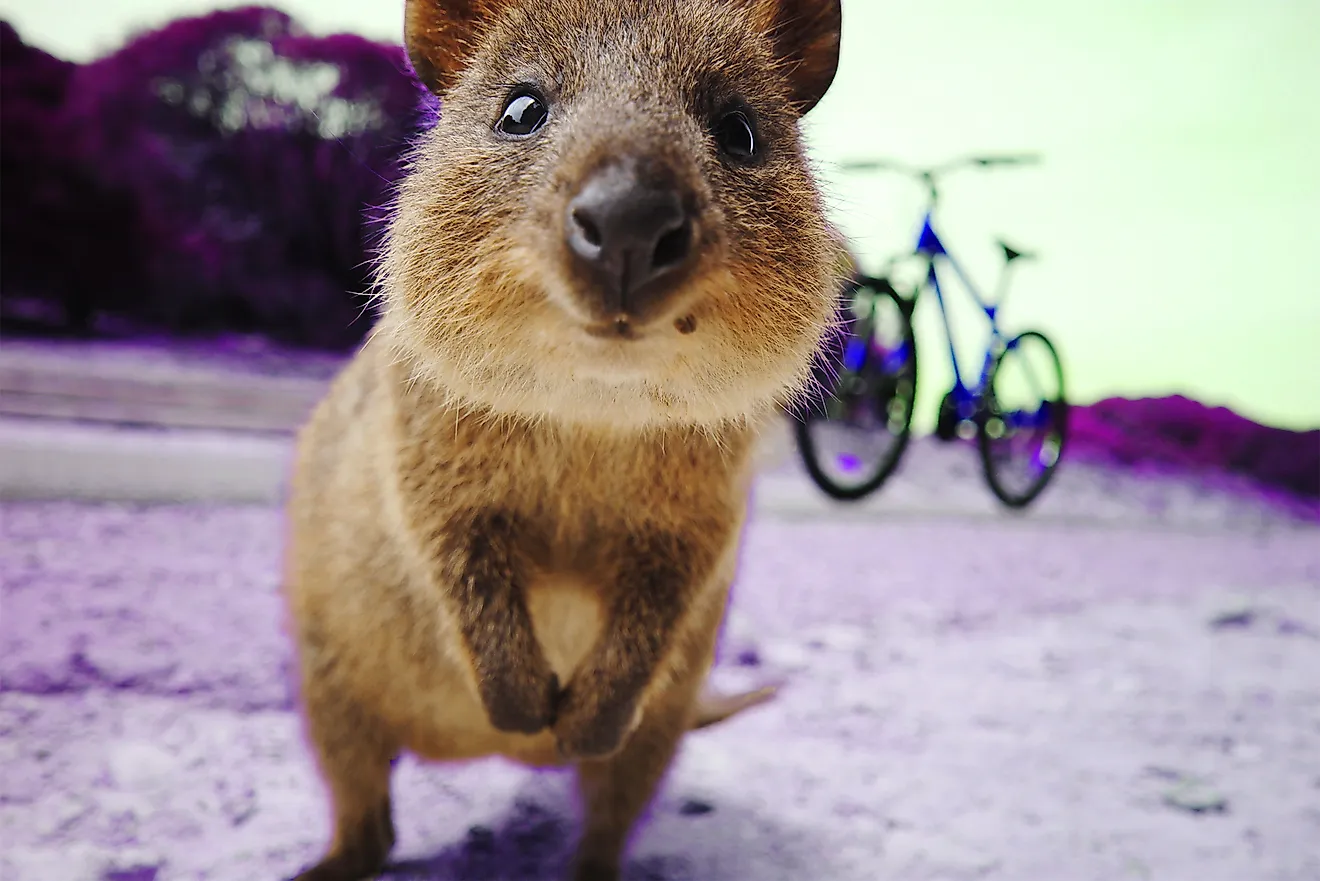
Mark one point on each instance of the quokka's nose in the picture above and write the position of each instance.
(631, 238)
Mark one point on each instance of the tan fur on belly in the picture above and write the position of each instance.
(567, 618)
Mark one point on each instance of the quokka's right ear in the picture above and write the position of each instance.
(441, 35)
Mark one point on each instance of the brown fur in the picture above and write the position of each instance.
(509, 535)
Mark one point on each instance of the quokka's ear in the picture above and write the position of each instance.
(805, 35)
(441, 35)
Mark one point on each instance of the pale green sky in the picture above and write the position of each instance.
(1177, 213)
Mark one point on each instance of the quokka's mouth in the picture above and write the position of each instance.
(620, 328)
(626, 328)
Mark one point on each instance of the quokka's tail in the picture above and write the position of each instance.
(713, 708)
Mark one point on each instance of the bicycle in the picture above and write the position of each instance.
(869, 374)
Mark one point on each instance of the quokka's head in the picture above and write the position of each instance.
(613, 220)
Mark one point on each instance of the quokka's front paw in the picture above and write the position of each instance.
(588, 728)
(521, 701)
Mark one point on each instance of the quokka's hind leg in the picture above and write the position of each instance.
(615, 790)
(354, 753)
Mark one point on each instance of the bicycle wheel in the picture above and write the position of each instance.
(1023, 420)
(852, 441)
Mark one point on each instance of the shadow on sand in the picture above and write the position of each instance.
(696, 840)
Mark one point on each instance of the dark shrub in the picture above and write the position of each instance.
(225, 173)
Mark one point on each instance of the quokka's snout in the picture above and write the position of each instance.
(630, 231)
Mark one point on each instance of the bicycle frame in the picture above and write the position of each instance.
(933, 251)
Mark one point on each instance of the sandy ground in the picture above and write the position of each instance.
(969, 695)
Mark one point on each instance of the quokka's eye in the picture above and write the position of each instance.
(736, 136)
(523, 115)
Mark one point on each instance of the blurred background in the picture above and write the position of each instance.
(218, 175)
(1117, 683)
(1174, 211)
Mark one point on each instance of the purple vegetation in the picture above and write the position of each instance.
(65, 234)
(1177, 432)
(223, 173)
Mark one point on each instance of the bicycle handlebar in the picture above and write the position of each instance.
(981, 161)
(928, 175)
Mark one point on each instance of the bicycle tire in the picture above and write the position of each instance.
(991, 411)
(808, 449)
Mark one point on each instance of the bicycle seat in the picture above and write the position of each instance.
(1011, 253)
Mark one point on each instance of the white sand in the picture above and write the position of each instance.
(971, 695)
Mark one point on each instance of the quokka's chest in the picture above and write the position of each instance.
(568, 616)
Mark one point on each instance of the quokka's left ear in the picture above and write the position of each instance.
(805, 35)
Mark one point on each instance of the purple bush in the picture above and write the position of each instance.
(65, 237)
(1180, 433)
(225, 173)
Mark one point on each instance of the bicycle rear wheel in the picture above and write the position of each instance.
(852, 441)
(1023, 420)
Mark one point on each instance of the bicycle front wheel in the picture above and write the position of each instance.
(1023, 420)
(853, 442)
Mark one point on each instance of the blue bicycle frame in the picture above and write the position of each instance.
(932, 249)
